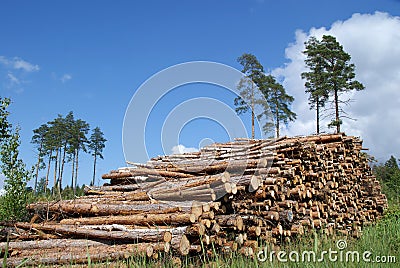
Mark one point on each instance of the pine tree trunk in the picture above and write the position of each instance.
(317, 105)
(73, 173)
(252, 124)
(337, 111)
(37, 167)
(252, 112)
(76, 169)
(277, 123)
(55, 173)
(62, 166)
(48, 172)
(94, 168)
(59, 169)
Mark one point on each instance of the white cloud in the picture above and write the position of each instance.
(13, 79)
(65, 78)
(2, 192)
(24, 65)
(372, 41)
(18, 64)
(180, 149)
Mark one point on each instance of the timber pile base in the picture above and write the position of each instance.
(230, 197)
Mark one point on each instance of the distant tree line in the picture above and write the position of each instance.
(388, 174)
(61, 141)
(329, 75)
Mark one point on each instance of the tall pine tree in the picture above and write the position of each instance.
(331, 64)
(318, 94)
(279, 104)
(96, 146)
(39, 139)
(248, 88)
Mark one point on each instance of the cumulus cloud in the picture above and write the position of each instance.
(65, 78)
(372, 41)
(180, 149)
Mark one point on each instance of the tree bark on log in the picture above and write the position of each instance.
(137, 219)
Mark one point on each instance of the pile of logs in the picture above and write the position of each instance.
(230, 197)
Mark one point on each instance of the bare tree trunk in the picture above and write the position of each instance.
(76, 169)
(337, 111)
(73, 171)
(62, 163)
(252, 124)
(94, 168)
(55, 172)
(317, 115)
(59, 169)
(37, 167)
(48, 172)
(277, 122)
(252, 112)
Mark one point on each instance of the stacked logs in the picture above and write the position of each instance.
(231, 196)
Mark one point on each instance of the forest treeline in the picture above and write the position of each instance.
(61, 141)
(57, 142)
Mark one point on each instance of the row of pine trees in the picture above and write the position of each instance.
(61, 141)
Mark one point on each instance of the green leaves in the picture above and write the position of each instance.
(12, 204)
(389, 175)
(4, 125)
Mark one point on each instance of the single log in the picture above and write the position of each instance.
(137, 219)
(51, 243)
(181, 244)
(146, 172)
(148, 235)
(78, 256)
(99, 209)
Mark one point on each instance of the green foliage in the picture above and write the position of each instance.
(4, 125)
(273, 100)
(96, 146)
(250, 97)
(13, 203)
(60, 141)
(330, 74)
(39, 140)
(318, 94)
(278, 102)
(389, 176)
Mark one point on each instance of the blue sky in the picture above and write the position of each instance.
(89, 57)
